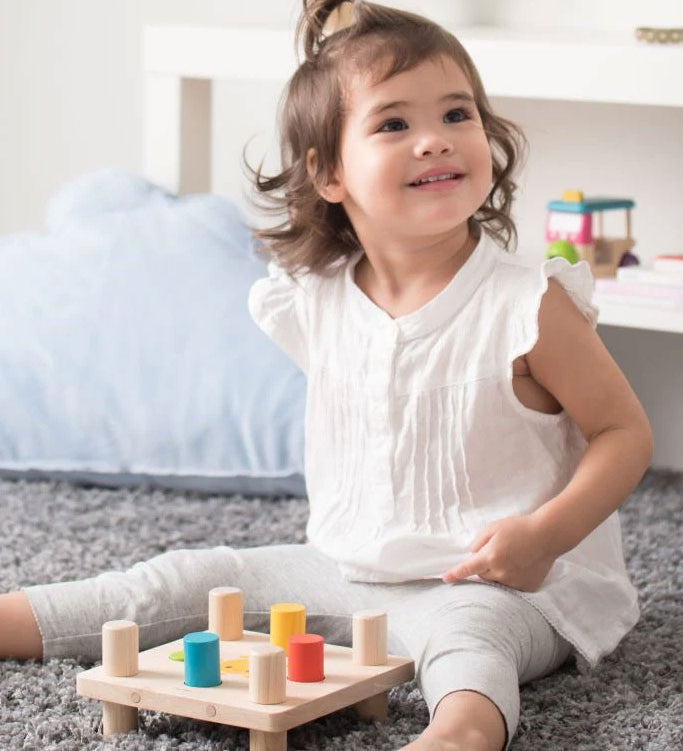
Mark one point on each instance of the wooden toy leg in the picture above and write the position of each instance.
(259, 740)
(118, 718)
(374, 708)
(120, 647)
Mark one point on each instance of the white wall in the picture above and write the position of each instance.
(71, 91)
(71, 87)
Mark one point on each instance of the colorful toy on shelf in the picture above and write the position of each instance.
(562, 249)
(571, 220)
(629, 259)
(269, 690)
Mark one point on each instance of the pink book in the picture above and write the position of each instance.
(668, 263)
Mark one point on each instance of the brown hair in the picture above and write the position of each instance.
(316, 233)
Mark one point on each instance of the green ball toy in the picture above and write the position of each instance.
(562, 249)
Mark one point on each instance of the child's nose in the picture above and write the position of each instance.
(429, 145)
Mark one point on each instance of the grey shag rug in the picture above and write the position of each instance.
(55, 531)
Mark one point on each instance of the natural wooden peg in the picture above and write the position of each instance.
(267, 675)
(370, 637)
(120, 649)
(226, 613)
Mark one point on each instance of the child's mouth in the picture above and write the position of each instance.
(440, 184)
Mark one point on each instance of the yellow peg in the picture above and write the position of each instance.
(286, 619)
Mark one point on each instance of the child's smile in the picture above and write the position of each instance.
(414, 158)
(444, 182)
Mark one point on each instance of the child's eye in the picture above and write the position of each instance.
(461, 115)
(389, 122)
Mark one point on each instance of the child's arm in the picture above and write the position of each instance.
(570, 361)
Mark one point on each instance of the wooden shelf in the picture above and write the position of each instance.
(595, 66)
(586, 66)
(639, 316)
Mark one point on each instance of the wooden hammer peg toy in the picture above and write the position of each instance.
(120, 649)
(183, 676)
(286, 619)
(267, 675)
(226, 613)
(370, 637)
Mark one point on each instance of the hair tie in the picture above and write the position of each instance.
(340, 18)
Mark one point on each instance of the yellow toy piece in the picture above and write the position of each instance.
(240, 665)
(286, 619)
(572, 196)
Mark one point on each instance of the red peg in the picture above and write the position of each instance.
(306, 658)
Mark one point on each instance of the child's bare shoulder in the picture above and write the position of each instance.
(570, 361)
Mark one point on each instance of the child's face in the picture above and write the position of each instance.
(381, 154)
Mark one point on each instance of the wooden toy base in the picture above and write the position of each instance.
(159, 685)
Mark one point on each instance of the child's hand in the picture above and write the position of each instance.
(510, 551)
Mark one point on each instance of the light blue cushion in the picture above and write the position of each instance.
(127, 352)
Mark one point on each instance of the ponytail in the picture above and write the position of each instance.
(318, 20)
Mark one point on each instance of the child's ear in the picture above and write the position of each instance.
(332, 191)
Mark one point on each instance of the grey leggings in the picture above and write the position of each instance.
(464, 636)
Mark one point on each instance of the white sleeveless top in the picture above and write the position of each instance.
(415, 440)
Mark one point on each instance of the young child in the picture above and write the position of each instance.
(469, 439)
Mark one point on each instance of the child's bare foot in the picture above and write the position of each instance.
(463, 721)
(19, 633)
(429, 741)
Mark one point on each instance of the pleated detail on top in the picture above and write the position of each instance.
(346, 474)
(443, 493)
(432, 480)
(338, 468)
(468, 499)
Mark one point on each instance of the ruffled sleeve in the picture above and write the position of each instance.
(577, 281)
(277, 306)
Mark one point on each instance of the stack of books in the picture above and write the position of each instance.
(660, 286)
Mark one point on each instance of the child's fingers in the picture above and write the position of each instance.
(477, 564)
(483, 538)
